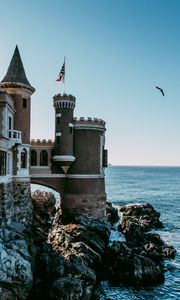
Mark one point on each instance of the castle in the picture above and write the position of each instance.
(72, 164)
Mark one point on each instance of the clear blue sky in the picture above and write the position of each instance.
(116, 53)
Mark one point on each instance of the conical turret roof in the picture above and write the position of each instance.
(15, 72)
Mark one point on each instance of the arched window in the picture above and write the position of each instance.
(33, 158)
(24, 159)
(43, 158)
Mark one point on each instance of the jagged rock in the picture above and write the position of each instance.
(68, 288)
(156, 249)
(147, 216)
(146, 272)
(124, 265)
(112, 213)
(16, 275)
(81, 245)
(43, 204)
(140, 260)
(64, 262)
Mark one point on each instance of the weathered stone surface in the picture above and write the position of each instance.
(112, 213)
(16, 275)
(145, 213)
(124, 265)
(16, 251)
(67, 260)
(63, 257)
(81, 243)
(44, 204)
(139, 260)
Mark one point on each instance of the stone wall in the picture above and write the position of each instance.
(87, 152)
(22, 118)
(86, 205)
(6, 201)
(15, 202)
(22, 202)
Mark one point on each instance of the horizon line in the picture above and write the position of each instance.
(119, 165)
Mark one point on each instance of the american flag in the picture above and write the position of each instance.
(61, 75)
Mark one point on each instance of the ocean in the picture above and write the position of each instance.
(159, 186)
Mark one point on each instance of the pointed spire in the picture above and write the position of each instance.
(15, 72)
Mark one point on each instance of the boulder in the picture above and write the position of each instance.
(140, 260)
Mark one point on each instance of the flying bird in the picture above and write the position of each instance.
(161, 90)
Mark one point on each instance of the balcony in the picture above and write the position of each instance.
(15, 136)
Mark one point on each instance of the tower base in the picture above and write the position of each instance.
(87, 205)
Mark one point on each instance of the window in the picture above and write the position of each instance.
(43, 158)
(58, 120)
(23, 159)
(71, 129)
(3, 163)
(33, 158)
(57, 139)
(24, 102)
(10, 126)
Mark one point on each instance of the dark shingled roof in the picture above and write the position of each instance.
(15, 72)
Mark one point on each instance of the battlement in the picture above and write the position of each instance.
(89, 123)
(64, 97)
(43, 141)
(64, 101)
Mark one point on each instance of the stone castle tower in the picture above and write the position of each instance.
(73, 163)
(15, 107)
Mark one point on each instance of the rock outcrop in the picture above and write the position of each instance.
(16, 251)
(68, 260)
(140, 260)
(63, 257)
(16, 276)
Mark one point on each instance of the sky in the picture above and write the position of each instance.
(117, 52)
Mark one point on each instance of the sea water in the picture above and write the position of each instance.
(159, 186)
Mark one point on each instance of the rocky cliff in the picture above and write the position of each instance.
(47, 255)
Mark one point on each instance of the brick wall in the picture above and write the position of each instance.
(22, 117)
(85, 197)
(65, 145)
(86, 152)
(89, 205)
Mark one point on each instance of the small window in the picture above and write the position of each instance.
(58, 139)
(24, 159)
(10, 127)
(24, 102)
(43, 158)
(58, 120)
(71, 129)
(33, 158)
(3, 163)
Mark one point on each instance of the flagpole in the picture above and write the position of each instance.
(65, 72)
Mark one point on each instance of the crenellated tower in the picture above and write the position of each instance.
(84, 190)
(64, 109)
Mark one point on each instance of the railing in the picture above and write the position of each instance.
(15, 136)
